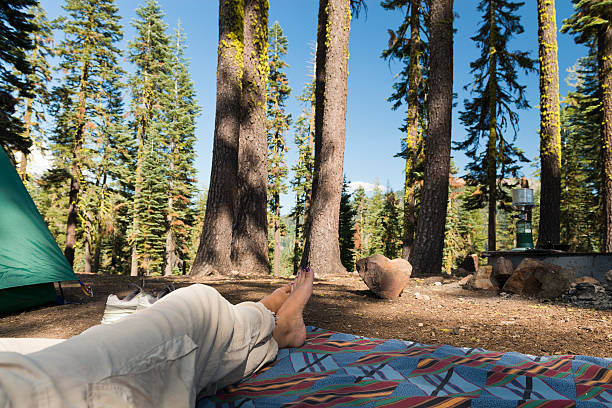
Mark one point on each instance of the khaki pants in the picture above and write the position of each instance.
(189, 344)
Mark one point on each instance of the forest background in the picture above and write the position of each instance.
(373, 137)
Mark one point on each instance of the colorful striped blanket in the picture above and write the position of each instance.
(337, 369)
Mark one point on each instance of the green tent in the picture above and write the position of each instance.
(30, 260)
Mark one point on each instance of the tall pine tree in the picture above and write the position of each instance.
(489, 113)
(592, 25)
(406, 45)
(301, 183)
(181, 110)
(150, 53)
(346, 229)
(89, 58)
(33, 106)
(550, 137)
(16, 26)
(278, 124)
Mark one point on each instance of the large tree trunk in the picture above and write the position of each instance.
(550, 133)
(604, 50)
(250, 229)
(75, 176)
(426, 254)
(412, 133)
(492, 143)
(214, 250)
(322, 250)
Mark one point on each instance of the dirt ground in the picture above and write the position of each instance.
(426, 312)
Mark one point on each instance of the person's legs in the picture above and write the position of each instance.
(192, 341)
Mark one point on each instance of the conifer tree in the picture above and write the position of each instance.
(113, 190)
(373, 230)
(346, 229)
(321, 250)
(391, 228)
(405, 45)
(250, 226)
(16, 26)
(301, 183)
(550, 137)
(426, 253)
(34, 105)
(150, 53)
(591, 24)
(278, 123)
(360, 207)
(89, 58)
(581, 197)
(181, 110)
(489, 113)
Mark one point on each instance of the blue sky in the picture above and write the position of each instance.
(372, 136)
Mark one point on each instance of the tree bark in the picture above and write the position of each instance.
(550, 133)
(214, 250)
(322, 250)
(426, 254)
(412, 133)
(250, 228)
(604, 50)
(492, 143)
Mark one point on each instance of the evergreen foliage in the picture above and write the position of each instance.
(278, 123)
(346, 229)
(591, 24)
(181, 110)
(581, 117)
(33, 106)
(17, 25)
(489, 114)
(150, 85)
(390, 225)
(407, 46)
(89, 61)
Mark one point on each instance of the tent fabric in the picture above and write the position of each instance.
(29, 254)
(25, 297)
(338, 369)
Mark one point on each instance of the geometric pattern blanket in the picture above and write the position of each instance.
(338, 369)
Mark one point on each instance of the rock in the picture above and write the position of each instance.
(502, 270)
(482, 279)
(465, 280)
(470, 263)
(523, 281)
(433, 279)
(586, 279)
(386, 278)
(541, 279)
(555, 280)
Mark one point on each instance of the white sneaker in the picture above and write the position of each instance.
(145, 301)
(119, 308)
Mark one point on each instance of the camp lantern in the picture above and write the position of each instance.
(522, 201)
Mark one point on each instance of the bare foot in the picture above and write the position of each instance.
(290, 330)
(275, 300)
